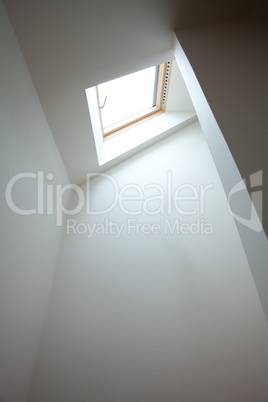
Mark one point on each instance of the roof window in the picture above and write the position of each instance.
(133, 98)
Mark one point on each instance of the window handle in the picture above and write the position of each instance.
(101, 107)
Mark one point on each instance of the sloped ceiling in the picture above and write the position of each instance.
(71, 45)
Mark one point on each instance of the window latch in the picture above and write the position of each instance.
(101, 107)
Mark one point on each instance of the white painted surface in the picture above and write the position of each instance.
(155, 317)
(77, 44)
(29, 245)
(178, 99)
(230, 61)
(220, 328)
(228, 86)
(133, 140)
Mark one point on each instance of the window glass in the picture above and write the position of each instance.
(127, 96)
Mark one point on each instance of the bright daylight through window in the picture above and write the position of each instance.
(133, 98)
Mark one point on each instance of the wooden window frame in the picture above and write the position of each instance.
(160, 107)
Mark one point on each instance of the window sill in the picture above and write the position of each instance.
(133, 139)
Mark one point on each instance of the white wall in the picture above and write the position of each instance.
(74, 46)
(225, 68)
(155, 317)
(230, 61)
(178, 99)
(29, 245)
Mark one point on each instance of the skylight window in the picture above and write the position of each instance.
(133, 98)
(139, 127)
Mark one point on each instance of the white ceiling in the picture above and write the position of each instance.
(71, 45)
